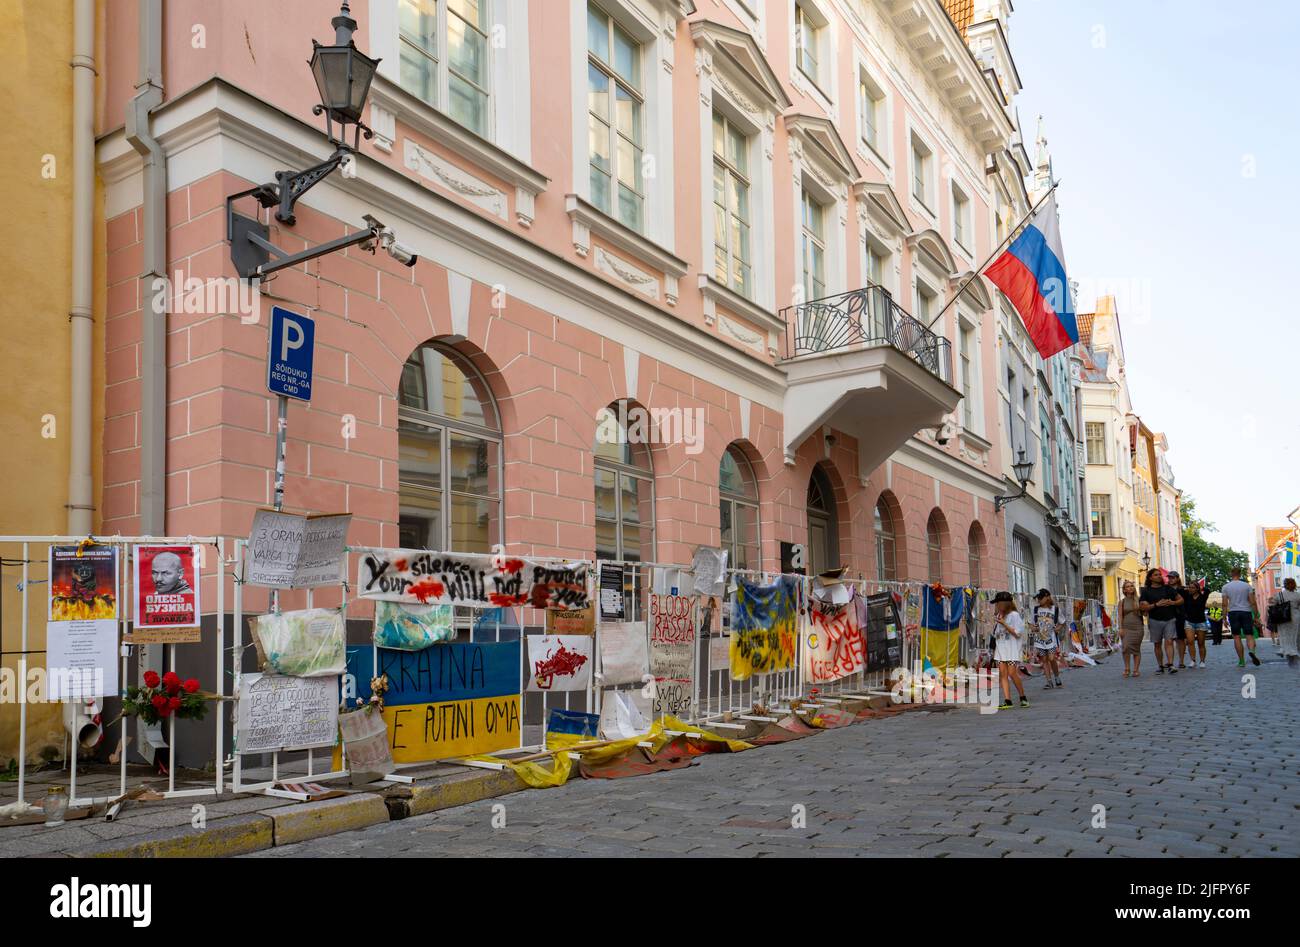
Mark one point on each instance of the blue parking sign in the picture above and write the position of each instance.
(289, 354)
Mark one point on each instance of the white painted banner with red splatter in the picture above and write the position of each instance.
(834, 646)
(559, 662)
(479, 581)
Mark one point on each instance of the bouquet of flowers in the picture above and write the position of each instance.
(166, 696)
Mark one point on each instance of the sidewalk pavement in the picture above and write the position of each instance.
(228, 824)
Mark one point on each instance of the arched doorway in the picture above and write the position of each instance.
(823, 537)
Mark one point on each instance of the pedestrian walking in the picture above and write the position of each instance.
(1198, 623)
(1009, 632)
(1287, 625)
(1047, 622)
(1132, 627)
(1161, 608)
(1175, 583)
(1239, 601)
(1214, 612)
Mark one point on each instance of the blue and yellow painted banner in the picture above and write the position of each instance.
(449, 700)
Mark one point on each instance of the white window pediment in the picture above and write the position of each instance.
(735, 55)
(882, 208)
(934, 249)
(819, 144)
(976, 292)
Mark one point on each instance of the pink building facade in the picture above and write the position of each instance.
(616, 204)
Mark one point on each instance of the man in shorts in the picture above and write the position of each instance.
(1239, 602)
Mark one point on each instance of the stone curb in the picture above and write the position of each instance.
(285, 825)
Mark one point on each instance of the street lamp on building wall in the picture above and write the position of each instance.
(343, 75)
(1146, 561)
(1023, 470)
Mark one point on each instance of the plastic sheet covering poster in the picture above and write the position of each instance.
(412, 627)
(286, 550)
(884, 632)
(278, 712)
(559, 662)
(763, 627)
(308, 642)
(450, 700)
(834, 646)
(672, 653)
(623, 655)
(478, 581)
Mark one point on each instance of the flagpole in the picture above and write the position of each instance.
(1006, 240)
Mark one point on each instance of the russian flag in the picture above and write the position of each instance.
(1032, 275)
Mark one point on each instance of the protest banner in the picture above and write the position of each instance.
(763, 635)
(278, 712)
(672, 653)
(623, 655)
(571, 621)
(450, 700)
(478, 581)
(834, 646)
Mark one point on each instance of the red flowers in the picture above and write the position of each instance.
(171, 682)
(174, 703)
(191, 685)
(159, 701)
(164, 697)
(150, 678)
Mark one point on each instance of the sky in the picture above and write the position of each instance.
(1174, 129)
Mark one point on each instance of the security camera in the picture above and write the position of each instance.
(398, 251)
(348, 166)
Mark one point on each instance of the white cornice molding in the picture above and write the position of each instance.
(739, 51)
(217, 113)
(932, 461)
(587, 220)
(823, 147)
(879, 200)
(715, 294)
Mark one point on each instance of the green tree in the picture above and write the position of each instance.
(1202, 558)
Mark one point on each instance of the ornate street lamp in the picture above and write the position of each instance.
(343, 75)
(1023, 470)
(1146, 561)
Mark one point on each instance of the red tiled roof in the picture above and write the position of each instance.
(1084, 320)
(961, 12)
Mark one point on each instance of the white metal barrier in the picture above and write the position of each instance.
(125, 592)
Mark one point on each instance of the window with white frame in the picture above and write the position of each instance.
(961, 226)
(871, 114)
(876, 260)
(1022, 565)
(812, 246)
(1095, 433)
(444, 57)
(616, 119)
(966, 349)
(926, 299)
(808, 27)
(732, 253)
(922, 164)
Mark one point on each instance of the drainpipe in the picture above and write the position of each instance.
(153, 350)
(81, 318)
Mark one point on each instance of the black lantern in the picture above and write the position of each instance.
(343, 75)
(1023, 470)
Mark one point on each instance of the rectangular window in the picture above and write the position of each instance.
(921, 158)
(924, 303)
(871, 112)
(732, 262)
(806, 39)
(814, 247)
(1095, 432)
(444, 57)
(1100, 514)
(966, 344)
(875, 267)
(960, 215)
(616, 120)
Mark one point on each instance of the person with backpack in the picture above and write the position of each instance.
(1284, 616)
(1047, 621)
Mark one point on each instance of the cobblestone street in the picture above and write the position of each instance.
(1182, 765)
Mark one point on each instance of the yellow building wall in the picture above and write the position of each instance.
(36, 258)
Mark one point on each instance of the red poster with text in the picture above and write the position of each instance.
(166, 586)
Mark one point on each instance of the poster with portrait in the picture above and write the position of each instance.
(166, 592)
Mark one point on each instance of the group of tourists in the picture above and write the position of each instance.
(1176, 618)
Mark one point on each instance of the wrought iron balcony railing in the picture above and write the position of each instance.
(863, 318)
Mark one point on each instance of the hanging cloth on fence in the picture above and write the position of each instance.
(941, 619)
(763, 627)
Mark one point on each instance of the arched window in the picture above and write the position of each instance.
(975, 554)
(823, 534)
(886, 556)
(625, 515)
(738, 491)
(449, 455)
(934, 530)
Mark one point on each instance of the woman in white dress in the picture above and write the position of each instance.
(1288, 632)
(1009, 632)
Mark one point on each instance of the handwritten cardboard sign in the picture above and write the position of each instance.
(286, 550)
(277, 712)
(672, 653)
